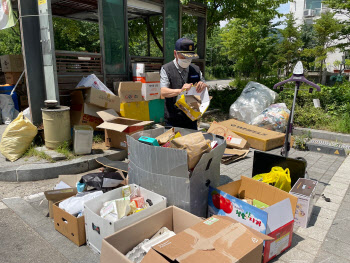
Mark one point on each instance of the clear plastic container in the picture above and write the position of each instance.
(82, 139)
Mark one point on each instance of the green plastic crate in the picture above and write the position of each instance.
(156, 110)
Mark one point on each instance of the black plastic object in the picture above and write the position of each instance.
(263, 162)
(103, 181)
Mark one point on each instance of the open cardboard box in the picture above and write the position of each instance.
(116, 128)
(192, 103)
(275, 220)
(82, 113)
(54, 196)
(68, 225)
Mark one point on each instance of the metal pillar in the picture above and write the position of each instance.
(201, 39)
(171, 28)
(48, 50)
(33, 64)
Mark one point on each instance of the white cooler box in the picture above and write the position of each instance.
(97, 228)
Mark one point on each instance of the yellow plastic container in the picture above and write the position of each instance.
(135, 110)
(56, 123)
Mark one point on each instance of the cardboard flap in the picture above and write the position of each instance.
(222, 240)
(143, 123)
(204, 95)
(281, 214)
(108, 115)
(112, 126)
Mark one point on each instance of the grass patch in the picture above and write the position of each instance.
(98, 138)
(32, 152)
(66, 149)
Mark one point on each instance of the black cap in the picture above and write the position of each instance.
(186, 47)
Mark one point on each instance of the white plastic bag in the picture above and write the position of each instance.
(26, 113)
(7, 106)
(75, 204)
(275, 118)
(254, 99)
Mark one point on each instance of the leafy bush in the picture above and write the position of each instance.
(223, 98)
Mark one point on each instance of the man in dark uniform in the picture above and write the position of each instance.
(177, 76)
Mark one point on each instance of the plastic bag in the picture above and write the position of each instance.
(277, 177)
(17, 138)
(254, 99)
(275, 118)
(103, 181)
(7, 107)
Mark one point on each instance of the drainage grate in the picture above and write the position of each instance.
(330, 143)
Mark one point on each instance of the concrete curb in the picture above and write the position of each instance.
(325, 135)
(42, 171)
(315, 134)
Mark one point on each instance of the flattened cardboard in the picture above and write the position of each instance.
(232, 139)
(130, 91)
(54, 196)
(232, 155)
(216, 239)
(12, 63)
(70, 226)
(115, 246)
(258, 138)
(117, 128)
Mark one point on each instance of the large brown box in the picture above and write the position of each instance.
(12, 63)
(258, 138)
(68, 225)
(12, 77)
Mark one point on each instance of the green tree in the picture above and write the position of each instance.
(308, 38)
(342, 7)
(326, 31)
(288, 48)
(251, 43)
(218, 10)
(11, 40)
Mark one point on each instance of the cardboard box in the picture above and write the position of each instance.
(98, 228)
(304, 190)
(116, 128)
(70, 226)
(130, 91)
(232, 139)
(12, 77)
(156, 110)
(12, 63)
(258, 138)
(192, 103)
(135, 110)
(138, 69)
(232, 155)
(54, 196)
(276, 220)
(150, 85)
(115, 247)
(82, 113)
(217, 239)
(165, 170)
(100, 98)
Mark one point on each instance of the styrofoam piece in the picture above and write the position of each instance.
(155, 241)
(165, 170)
(137, 254)
(82, 139)
(97, 228)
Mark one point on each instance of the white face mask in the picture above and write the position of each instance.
(184, 62)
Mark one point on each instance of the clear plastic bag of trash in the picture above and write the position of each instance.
(254, 99)
(275, 118)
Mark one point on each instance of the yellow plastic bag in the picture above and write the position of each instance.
(278, 177)
(17, 138)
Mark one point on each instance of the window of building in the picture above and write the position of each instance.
(313, 4)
